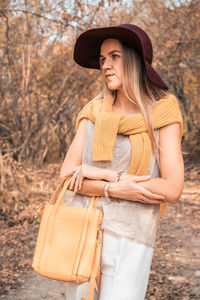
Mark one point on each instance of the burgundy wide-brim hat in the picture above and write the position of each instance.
(88, 44)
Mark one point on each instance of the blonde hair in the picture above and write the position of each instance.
(137, 88)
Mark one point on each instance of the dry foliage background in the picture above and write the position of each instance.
(42, 89)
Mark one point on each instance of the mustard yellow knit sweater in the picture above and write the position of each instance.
(108, 124)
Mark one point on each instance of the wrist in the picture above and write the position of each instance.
(111, 190)
(109, 175)
(106, 192)
(118, 175)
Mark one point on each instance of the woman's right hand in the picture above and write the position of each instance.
(90, 172)
(128, 188)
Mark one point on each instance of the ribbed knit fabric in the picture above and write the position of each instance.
(108, 124)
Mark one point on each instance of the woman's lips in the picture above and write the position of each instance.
(109, 75)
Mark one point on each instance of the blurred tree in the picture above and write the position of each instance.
(42, 89)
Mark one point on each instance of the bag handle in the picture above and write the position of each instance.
(62, 187)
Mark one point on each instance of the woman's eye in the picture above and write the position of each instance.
(101, 61)
(115, 56)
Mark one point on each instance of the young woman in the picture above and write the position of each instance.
(127, 151)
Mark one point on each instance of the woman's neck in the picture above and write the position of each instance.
(123, 105)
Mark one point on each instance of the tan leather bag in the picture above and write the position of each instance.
(69, 241)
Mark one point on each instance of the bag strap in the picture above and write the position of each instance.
(95, 269)
(98, 278)
(55, 195)
(62, 187)
(95, 266)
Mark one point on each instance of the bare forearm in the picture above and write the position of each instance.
(160, 186)
(170, 190)
(124, 190)
(92, 188)
(106, 174)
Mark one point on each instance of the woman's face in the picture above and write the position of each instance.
(111, 63)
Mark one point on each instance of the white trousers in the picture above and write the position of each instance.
(125, 267)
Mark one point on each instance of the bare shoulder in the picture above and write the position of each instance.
(82, 125)
(80, 132)
(171, 160)
(74, 154)
(170, 133)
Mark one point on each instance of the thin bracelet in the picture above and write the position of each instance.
(119, 174)
(106, 189)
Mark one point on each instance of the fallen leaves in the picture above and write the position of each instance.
(174, 275)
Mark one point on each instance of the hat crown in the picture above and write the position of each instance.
(144, 38)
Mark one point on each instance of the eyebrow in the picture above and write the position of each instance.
(111, 52)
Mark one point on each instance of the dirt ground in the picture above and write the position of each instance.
(175, 272)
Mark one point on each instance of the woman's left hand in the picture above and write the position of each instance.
(81, 172)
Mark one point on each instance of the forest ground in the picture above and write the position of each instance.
(175, 272)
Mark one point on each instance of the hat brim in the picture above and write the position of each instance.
(154, 77)
(88, 44)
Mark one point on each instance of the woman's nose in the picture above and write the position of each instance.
(107, 63)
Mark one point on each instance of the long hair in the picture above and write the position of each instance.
(137, 88)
